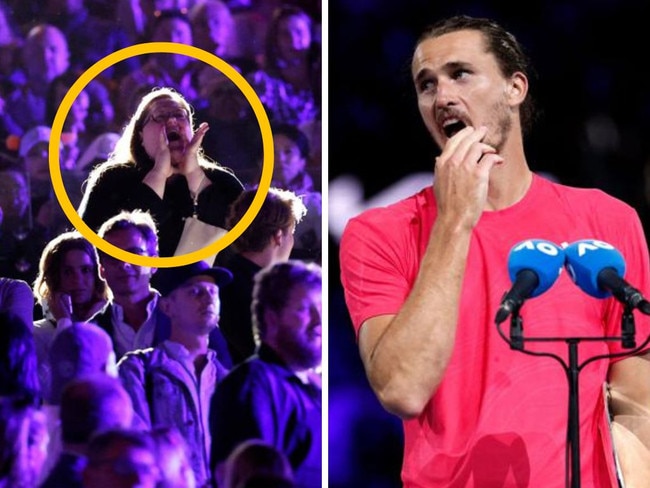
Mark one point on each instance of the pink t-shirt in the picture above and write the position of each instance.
(499, 416)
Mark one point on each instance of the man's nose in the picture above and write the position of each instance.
(446, 93)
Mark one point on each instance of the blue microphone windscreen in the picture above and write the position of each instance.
(586, 258)
(543, 257)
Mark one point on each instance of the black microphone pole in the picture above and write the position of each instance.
(573, 373)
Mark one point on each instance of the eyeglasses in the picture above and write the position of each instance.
(161, 117)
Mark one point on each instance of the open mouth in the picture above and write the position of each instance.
(452, 128)
(173, 136)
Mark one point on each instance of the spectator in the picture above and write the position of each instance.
(44, 57)
(289, 82)
(90, 36)
(18, 362)
(267, 240)
(275, 395)
(172, 453)
(158, 166)
(133, 318)
(21, 242)
(23, 442)
(78, 350)
(46, 212)
(232, 120)
(291, 148)
(16, 297)
(90, 404)
(121, 458)
(176, 71)
(172, 383)
(98, 151)
(254, 459)
(69, 289)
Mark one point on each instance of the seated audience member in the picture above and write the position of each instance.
(23, 442)
(91, 37)
(90, 404)
(172, 384)
(47, 215)
(289, 83)
(133, 318)
(16, 297)
(18, 362)
(235, 140)
(172, 453)
(213, 28)
(21, 242)
(121, 458)
(275, 395)
(291, 149)
(267, 240)
(44, 56)
(78, 350)
(98, 151)
(68, 289)
(173, 70)
(255, 459)
(158, 166)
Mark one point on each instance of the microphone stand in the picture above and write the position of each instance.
(572, 369)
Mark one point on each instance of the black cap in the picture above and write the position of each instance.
(166, 280)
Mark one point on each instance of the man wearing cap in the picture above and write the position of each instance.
(172, 383)
(133, 317)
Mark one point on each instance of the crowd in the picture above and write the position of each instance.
(206, 374)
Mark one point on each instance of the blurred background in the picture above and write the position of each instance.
(593, 132)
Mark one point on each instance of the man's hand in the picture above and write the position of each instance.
(462, 174)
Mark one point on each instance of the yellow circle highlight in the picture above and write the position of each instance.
(173, 48)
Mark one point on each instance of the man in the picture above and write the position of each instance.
(90, 404)
(121, 458)
(424, 277)
(77, 350)
(275, 395)
(172, 383)
(269, 239)
(133, 318)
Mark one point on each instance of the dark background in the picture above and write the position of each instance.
(591, 59)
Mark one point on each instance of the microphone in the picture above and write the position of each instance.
(598, 269)
(533, 265)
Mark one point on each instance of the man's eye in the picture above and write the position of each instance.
(426, 85)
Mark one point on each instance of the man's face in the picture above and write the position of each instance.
(37, 162)
(459, 84)
(46, 55)
(126, 279)
(194, 306)
(289, 163)
(294, 36)
(123, 466)
(295, 332)
(14, 196)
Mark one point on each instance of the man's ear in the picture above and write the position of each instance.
(164, 304)
(277, 237)
(517, 88)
